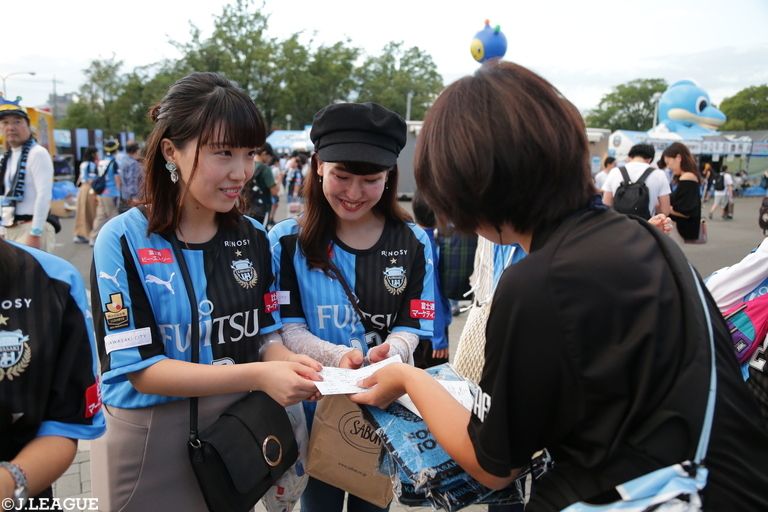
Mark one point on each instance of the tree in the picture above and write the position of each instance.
(396, 74)
(628, 106)
(313, 80)
(747, 109)
(94, 107)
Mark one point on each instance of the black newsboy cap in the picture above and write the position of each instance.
(358, 132)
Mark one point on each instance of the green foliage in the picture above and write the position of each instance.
(628, 106)
(747, 109)
(390, 77)
(285, 77)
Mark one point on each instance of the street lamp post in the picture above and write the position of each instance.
(6, 77)
(408, 99)
(288, 118)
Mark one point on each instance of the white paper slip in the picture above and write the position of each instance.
(343, 381)
(459, 389)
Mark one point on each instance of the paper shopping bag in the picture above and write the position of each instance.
(344, 451)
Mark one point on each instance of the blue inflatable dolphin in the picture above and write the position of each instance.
(685, 108)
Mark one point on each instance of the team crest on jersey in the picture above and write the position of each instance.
(244, 273)
(395, 280)
(15, 354)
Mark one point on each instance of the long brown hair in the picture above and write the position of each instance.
(503, 146)
(210, 108)
(318, 224)
(687, 162)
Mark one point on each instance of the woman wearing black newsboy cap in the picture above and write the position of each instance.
(358, 272)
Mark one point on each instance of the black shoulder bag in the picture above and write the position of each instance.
(243, 453)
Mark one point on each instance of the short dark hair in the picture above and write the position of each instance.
(646, 151)
(503, 146)
(608, 161)
(422, 212)
(131, 148)
(210, 108)
(89, 153)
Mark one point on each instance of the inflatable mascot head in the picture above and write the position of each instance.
(489, 43)
(685, 108)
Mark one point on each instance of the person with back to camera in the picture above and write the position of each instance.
(199, 157)
(612, 401)
(109, 198)
(87, 201)
(685, 200)
(49, 396)
(356, 272)
(639, 165)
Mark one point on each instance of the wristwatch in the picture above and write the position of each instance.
(20, 494)
(36, 232)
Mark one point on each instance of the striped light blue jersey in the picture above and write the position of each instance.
(503, 257)
(393, 281)
(48, 367)
(141, 308)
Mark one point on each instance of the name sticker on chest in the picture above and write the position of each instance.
(128, 339)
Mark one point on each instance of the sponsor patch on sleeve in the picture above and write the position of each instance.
(92, 400)
(128, 339)
(270, 302)
(116, 314)
(150, 256)
(283, 298)
(422, 309)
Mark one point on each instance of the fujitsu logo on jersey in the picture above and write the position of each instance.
(222, 329)
(344, 315)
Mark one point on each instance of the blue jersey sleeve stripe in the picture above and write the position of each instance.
(294, 320)
(119, 374)
(73, 431)
(270, 328)
(422, 333)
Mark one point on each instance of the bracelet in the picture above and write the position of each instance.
(36, 232)
(20, 482)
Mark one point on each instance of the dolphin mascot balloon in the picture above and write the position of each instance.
(685, 109)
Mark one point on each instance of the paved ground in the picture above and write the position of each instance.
(728, 242)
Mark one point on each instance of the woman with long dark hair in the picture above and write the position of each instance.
(199, 157)
(686, 198)
(357, 274)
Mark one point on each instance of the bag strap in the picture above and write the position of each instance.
(645, 175)
(706, 430)
(195, 335)
(625, 175)
(350, 295)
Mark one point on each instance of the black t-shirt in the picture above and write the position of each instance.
(585, 348)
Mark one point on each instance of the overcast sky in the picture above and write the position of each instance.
(584, 47)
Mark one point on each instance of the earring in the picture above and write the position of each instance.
(320, 179)
(172, 170)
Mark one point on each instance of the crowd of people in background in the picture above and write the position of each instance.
(187, 244)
